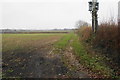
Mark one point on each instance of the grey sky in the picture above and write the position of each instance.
(50, 14)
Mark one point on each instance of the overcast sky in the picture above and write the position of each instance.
(50, 14)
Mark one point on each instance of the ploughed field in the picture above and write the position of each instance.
(51, 55)
(28, 55)
(40, 56)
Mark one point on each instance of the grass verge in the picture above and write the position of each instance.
(91, 62)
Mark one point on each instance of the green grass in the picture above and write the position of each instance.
(63, 42)
(91, 62)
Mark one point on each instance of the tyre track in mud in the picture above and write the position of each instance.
(76, 70)
(42, 62)
(45, 65)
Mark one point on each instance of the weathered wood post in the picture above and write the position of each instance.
(118, 49)
(119, 13)
(93, 8)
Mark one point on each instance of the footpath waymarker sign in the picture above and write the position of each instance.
(119, 13)
(93, 8)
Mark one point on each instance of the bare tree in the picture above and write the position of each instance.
(81, 23)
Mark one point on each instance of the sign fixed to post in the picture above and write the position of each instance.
(119, 13)
(93, 8)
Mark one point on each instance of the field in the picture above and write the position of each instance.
(50, 55)
(34, 55)
(25, 55)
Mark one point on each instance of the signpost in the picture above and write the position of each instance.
(93, 8)
(119, 13)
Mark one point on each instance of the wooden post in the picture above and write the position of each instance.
(119, 13)
(93, 7)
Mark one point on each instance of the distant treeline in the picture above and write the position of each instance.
(30, 32)
(4, 31)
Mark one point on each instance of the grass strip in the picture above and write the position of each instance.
(91, 62)
(63, 42)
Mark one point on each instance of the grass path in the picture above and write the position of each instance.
(78, 59)
(65, 49)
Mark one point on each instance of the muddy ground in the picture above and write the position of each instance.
(41, 62)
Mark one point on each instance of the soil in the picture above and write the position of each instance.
(71, 61)
(40, 63)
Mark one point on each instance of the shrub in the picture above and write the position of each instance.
(85, 33)
(106, 39)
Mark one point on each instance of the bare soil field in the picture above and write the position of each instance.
(32, 56)
(24, 57)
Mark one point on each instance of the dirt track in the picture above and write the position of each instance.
(39, 63)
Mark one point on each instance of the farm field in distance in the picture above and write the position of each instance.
(26, 55)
